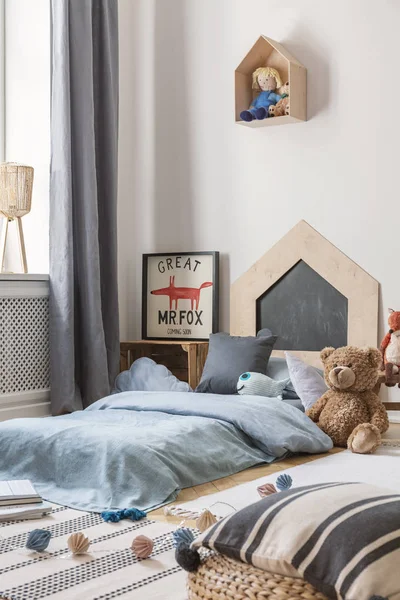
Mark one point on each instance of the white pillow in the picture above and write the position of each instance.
(307, 382)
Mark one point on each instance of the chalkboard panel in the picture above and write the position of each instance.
(304, 310)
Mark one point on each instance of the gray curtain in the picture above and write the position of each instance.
(84, 333)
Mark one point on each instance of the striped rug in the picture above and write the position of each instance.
(110, 569)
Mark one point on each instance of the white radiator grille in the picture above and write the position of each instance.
(24, 344)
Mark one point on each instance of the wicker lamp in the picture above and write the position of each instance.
(16, 183)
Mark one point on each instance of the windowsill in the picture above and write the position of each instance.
(23, 277)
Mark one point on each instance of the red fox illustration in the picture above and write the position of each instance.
(181, 293)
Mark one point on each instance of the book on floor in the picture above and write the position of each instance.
(18, 491)
(18, 512)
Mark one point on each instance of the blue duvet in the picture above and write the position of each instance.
(138, 449)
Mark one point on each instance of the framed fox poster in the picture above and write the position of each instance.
(180, 295)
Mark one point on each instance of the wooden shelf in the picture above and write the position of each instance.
(268, 53)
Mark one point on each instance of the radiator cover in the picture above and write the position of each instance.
(24, 346)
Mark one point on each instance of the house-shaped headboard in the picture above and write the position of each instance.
(308, 293)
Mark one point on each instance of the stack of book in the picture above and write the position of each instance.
(19, 500)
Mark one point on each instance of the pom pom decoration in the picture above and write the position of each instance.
(284, 482)
(142, 546)
(186, 558)
(182, 535)
(134, 514)
(38, 540)
(266, 490)
(205, 520)
(78, 543)
(113, 516)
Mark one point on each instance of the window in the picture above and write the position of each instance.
(2, 80)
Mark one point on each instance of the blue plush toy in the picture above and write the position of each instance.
(265, 80)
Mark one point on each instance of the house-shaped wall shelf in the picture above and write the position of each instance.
(268, 53)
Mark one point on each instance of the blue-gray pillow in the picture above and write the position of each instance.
(146, 375)
(307, 380)
(230, 356)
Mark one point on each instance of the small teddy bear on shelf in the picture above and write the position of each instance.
(390, 348)
(265, 80)
(282, 107)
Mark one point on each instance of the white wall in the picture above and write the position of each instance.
(190, 179)
(27, 122)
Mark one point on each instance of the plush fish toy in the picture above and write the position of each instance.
(257, 384)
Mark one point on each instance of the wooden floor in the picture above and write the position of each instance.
(249, 475)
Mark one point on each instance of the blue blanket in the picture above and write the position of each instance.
(138, 449)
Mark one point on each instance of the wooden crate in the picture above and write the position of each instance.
(185, 360)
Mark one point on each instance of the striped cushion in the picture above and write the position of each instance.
(344, 538)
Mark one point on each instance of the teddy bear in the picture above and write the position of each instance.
(282, 107)
(390, 348)
(350, 412)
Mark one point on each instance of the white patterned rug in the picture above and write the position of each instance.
(381, 469)
(109, 570)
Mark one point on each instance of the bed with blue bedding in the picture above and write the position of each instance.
(138, 449)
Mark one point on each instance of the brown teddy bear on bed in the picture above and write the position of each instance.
(350, 412)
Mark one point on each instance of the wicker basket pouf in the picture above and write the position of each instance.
(221, 578)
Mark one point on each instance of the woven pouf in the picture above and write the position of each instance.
(221, 578)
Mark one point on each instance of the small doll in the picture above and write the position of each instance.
(390, 348)
(265, 80)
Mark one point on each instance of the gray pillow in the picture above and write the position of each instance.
(230, 356)
(307, 380)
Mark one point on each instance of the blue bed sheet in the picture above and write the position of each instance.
(138, 449)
